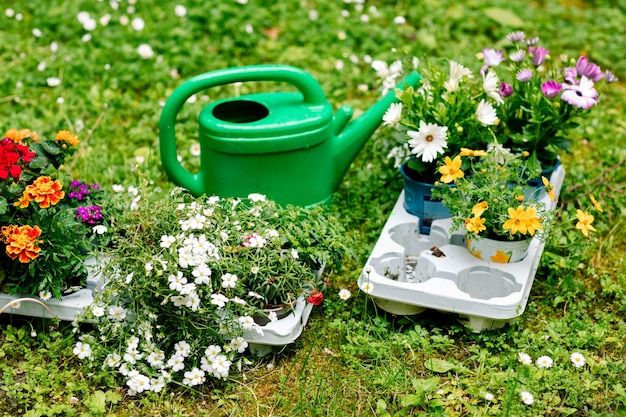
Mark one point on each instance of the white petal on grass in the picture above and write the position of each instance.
(180, 10)
(145, 51)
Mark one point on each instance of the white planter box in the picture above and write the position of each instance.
(280, 332)
(408, 278)
(64, 309)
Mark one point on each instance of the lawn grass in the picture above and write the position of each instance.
(352, 359)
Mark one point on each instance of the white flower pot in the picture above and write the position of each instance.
(498, 251)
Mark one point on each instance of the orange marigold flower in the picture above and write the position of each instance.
(66, 136)
(24, 200)
(451, 171)
(19, 135)
(21, 242)
(45, 191)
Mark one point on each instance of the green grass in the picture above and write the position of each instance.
(352, 359)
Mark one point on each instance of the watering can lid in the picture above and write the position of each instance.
(272, 122)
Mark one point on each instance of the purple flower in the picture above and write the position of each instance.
(518, 56)
(505, 89)
(532, 41)
(570, 75)
(492, 57)
(588, 69)
(539, 54)
(551, 88)
(583, 95)
(516, 36)
(524, 75)
(610, 77)
(90, 215)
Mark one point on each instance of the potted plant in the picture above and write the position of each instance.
(50, 223)
(188, 276)
(452, 109)
(544, 97)
(492, 202)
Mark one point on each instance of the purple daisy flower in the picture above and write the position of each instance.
(539, 54)
(492, 57)
(610, 77)
(524, 75)
(570, 75)
(551, 88)
(588, 69)
(516, 36)
(505, 89)
(583, 95)
(518, 56)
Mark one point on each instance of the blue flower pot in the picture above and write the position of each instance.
(418, 201)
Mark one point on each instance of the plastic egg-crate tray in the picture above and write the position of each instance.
(67, 308)
(410, 271)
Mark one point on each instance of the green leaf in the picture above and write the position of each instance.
(4, 206)
(439, 365)
(411, 400)
(504, 17)
(51, 147)
(97, 401)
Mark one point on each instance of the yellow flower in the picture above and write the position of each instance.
(519, 197)
(584, 222)
(479, 208)
(451, 171)
(66, 136)
(533, 222)
(470, 152)
(549, 187)
(475, 224)
(523, 221)
(595, 203)
(517, 221)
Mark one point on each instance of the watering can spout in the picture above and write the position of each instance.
(351, 136)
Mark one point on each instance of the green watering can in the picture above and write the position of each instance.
(286, 145)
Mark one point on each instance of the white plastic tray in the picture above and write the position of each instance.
(407, 278)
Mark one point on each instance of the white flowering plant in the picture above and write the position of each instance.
(453, 108)
(190, 278)
(543, 96)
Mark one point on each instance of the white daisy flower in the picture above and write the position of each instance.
(486, 113)
(527, 397)
(393, 114)
(544, 362)
(429, 141)
(367, 288)
(344, 294)
(578, 360)
(491, 85)
(45, 295)
(524, 358)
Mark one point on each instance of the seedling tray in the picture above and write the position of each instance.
(410, 271)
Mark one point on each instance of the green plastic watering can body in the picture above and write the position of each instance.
(286, 145)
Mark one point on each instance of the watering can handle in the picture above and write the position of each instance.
(309, 87)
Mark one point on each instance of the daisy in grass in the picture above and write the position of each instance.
(577, 359)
